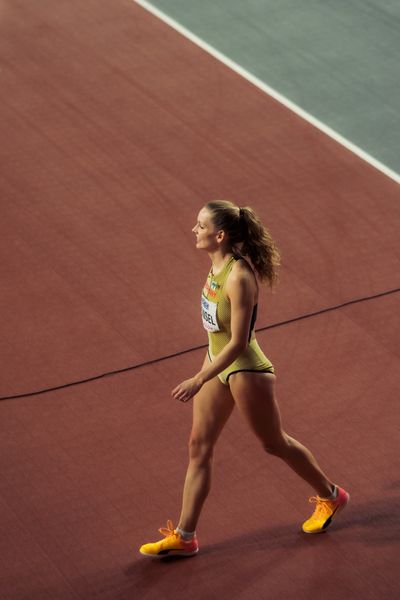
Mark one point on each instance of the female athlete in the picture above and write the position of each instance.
(235, 372)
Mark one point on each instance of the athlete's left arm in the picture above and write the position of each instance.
(240, 291)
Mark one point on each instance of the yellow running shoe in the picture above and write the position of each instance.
(172, 545)
(325, 511)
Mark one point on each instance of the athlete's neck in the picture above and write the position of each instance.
(219, 260)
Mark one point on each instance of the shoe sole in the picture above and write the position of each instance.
(180, 553)
(328, 522)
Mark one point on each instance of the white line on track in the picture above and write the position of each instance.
(269, 90)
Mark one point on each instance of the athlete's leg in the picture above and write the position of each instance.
(212, 407)
(254, 395)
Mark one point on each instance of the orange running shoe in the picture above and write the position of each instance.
(172, 545)
(325, 511)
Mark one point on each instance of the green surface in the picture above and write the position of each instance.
(337, 59)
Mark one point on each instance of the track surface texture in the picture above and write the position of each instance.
(115, 131)
(337, 60)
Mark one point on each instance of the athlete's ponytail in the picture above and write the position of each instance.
(248, 236)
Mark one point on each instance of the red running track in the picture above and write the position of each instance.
(115, 131)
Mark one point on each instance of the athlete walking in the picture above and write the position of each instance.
(235, 372)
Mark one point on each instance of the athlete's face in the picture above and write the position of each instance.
(206, 234)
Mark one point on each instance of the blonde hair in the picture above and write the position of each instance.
(247, 236)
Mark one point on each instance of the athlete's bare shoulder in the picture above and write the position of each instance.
(242, 274)
(242, 268)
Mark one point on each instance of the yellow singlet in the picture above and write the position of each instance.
(216, 315)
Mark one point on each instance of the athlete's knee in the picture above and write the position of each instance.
(278, 446)
(200, 448)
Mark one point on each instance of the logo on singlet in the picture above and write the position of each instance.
(211, 288)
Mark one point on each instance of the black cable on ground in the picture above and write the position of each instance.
(194, 348)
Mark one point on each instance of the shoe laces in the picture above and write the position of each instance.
(322, 509)
(169, 530)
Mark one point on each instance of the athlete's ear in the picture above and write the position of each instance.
(220, 235)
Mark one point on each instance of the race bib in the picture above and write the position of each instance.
(209, 314)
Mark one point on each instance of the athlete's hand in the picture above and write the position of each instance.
(187, 389)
